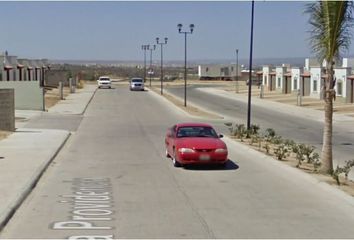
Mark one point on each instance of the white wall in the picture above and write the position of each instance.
(341, 75)
(265, 76)
(295, 77)
(279, 75)
(28, 95)
(315, 77)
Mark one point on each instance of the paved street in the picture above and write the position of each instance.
(112, 179)
(293, 125)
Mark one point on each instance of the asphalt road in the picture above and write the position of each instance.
(295, 127)
(112, 179)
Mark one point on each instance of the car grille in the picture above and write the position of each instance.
(203, 150)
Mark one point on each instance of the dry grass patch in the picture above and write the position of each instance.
(52, 96)
(4, 134)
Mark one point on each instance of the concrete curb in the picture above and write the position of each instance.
(19, 196)
(182, 110)
(88, 103)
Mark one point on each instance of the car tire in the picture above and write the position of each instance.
(174, 160)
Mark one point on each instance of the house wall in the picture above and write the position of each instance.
(341, 75)
(2, 70)
(28, 95)
(265, 76)
(315, 82)
(12, 60)
(295, 79)
(279, 76)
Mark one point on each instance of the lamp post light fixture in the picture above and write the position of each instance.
(191, 28)
(144, 47)
(153, 47)
(161, 46)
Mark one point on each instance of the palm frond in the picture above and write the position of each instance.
(331, 24)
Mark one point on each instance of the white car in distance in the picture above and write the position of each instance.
(104, 81)
(136, 84)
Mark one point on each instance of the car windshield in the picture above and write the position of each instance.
(104, 79)
(137, 80)
(196, 131)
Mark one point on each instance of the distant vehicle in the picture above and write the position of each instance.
(136, 84)
(195, 143)
(104, 81)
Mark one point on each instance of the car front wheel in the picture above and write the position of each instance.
(174, 160)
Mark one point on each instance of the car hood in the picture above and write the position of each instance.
(200, 143)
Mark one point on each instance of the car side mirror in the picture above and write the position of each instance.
(221, 136)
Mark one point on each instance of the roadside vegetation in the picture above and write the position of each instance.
(331, 25)
(299, 155)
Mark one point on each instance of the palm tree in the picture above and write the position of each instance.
(331, 24)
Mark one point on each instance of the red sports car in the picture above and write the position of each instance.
(195, 143)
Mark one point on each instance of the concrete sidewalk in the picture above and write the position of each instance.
(26, 153)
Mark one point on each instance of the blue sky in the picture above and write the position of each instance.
(116, 30)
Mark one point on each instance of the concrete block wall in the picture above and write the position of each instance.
(7, 109)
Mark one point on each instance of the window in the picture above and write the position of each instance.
(279, 82)
(315, 85)
(340, 88)
(207, 69)
(196, 132)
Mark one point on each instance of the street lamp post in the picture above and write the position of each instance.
(153, 47)
(161, 44)
(236, 71)
(191, 27)
(144, 47)
(250, 73)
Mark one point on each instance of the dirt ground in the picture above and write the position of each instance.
(4, 134)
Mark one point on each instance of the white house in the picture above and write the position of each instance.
(279, 74)
(12, 61)
(341, 82)
(265, 78)
(295, 78)
(315, 81)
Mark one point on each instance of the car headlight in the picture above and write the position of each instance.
(221, 150)
(186, 150)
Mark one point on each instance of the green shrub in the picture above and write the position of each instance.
(315, 159)
(267, 147)
(298, 149)
(339, 170)
(281, 152)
